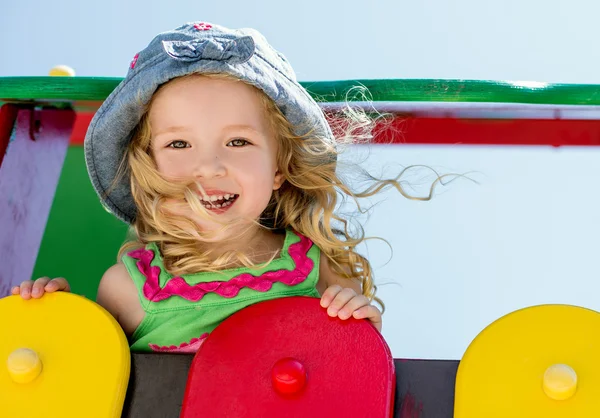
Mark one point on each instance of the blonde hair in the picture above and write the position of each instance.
(305, 202)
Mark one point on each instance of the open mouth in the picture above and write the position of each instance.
(218, 203)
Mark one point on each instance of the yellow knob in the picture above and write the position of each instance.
(560, 382)
(62, 70)
(24, 365)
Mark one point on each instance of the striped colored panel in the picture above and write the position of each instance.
(28, 178)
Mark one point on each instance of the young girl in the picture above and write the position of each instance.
(226, 168)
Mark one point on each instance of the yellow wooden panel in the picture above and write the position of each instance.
(502, 372)
(84, 358)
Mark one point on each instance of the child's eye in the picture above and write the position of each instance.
(178, 143)
(238, 142)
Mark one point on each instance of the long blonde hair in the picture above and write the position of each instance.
(305, 202)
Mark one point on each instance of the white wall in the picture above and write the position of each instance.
(525, 235)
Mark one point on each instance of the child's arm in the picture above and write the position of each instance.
(119, 296)
(343, 297)
(36, 289)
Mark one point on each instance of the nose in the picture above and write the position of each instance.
(209, 165)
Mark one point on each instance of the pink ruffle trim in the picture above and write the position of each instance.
(228, 289)
(190, 347)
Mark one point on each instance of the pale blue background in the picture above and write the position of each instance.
(527, 234)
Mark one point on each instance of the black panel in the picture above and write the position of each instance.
(424, 388)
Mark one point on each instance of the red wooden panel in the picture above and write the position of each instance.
(82, 121)
(421, 130)
(8, 115)
(28, 178)
(349, 368)
(554, 132)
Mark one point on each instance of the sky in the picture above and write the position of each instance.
(524, 234)
(324, 40)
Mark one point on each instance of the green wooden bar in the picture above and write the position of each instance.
(98, 88)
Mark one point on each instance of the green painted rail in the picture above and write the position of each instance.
(98, 88)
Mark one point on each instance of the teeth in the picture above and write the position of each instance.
(214, 198)
(213, 206)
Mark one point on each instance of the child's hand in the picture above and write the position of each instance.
(36, 289)
(345, 302)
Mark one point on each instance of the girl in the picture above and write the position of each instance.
(226, 168)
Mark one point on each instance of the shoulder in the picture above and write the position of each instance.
(118, 295)
(115, 276)
(329, 277)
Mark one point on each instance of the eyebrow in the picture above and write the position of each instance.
(239, 127)
(171, 129)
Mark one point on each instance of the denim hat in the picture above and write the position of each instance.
(192, 48)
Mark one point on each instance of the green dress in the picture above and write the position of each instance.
(181, 311)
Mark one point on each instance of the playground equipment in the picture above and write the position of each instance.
(68, 357)
(536, 362)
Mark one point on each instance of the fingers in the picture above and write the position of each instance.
(329, 294)
(25, 289)
(58, 284)
(345, 303)
(36, 289)
(371, 313)
(357, 302)
(342, 302)
(335, 298)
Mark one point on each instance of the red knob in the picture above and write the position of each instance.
(289, 376)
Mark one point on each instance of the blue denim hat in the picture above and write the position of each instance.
(192, 48)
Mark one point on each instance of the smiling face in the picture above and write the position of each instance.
(215, 131)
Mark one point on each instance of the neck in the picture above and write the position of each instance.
(256, 243)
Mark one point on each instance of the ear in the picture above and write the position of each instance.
(278, 180)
